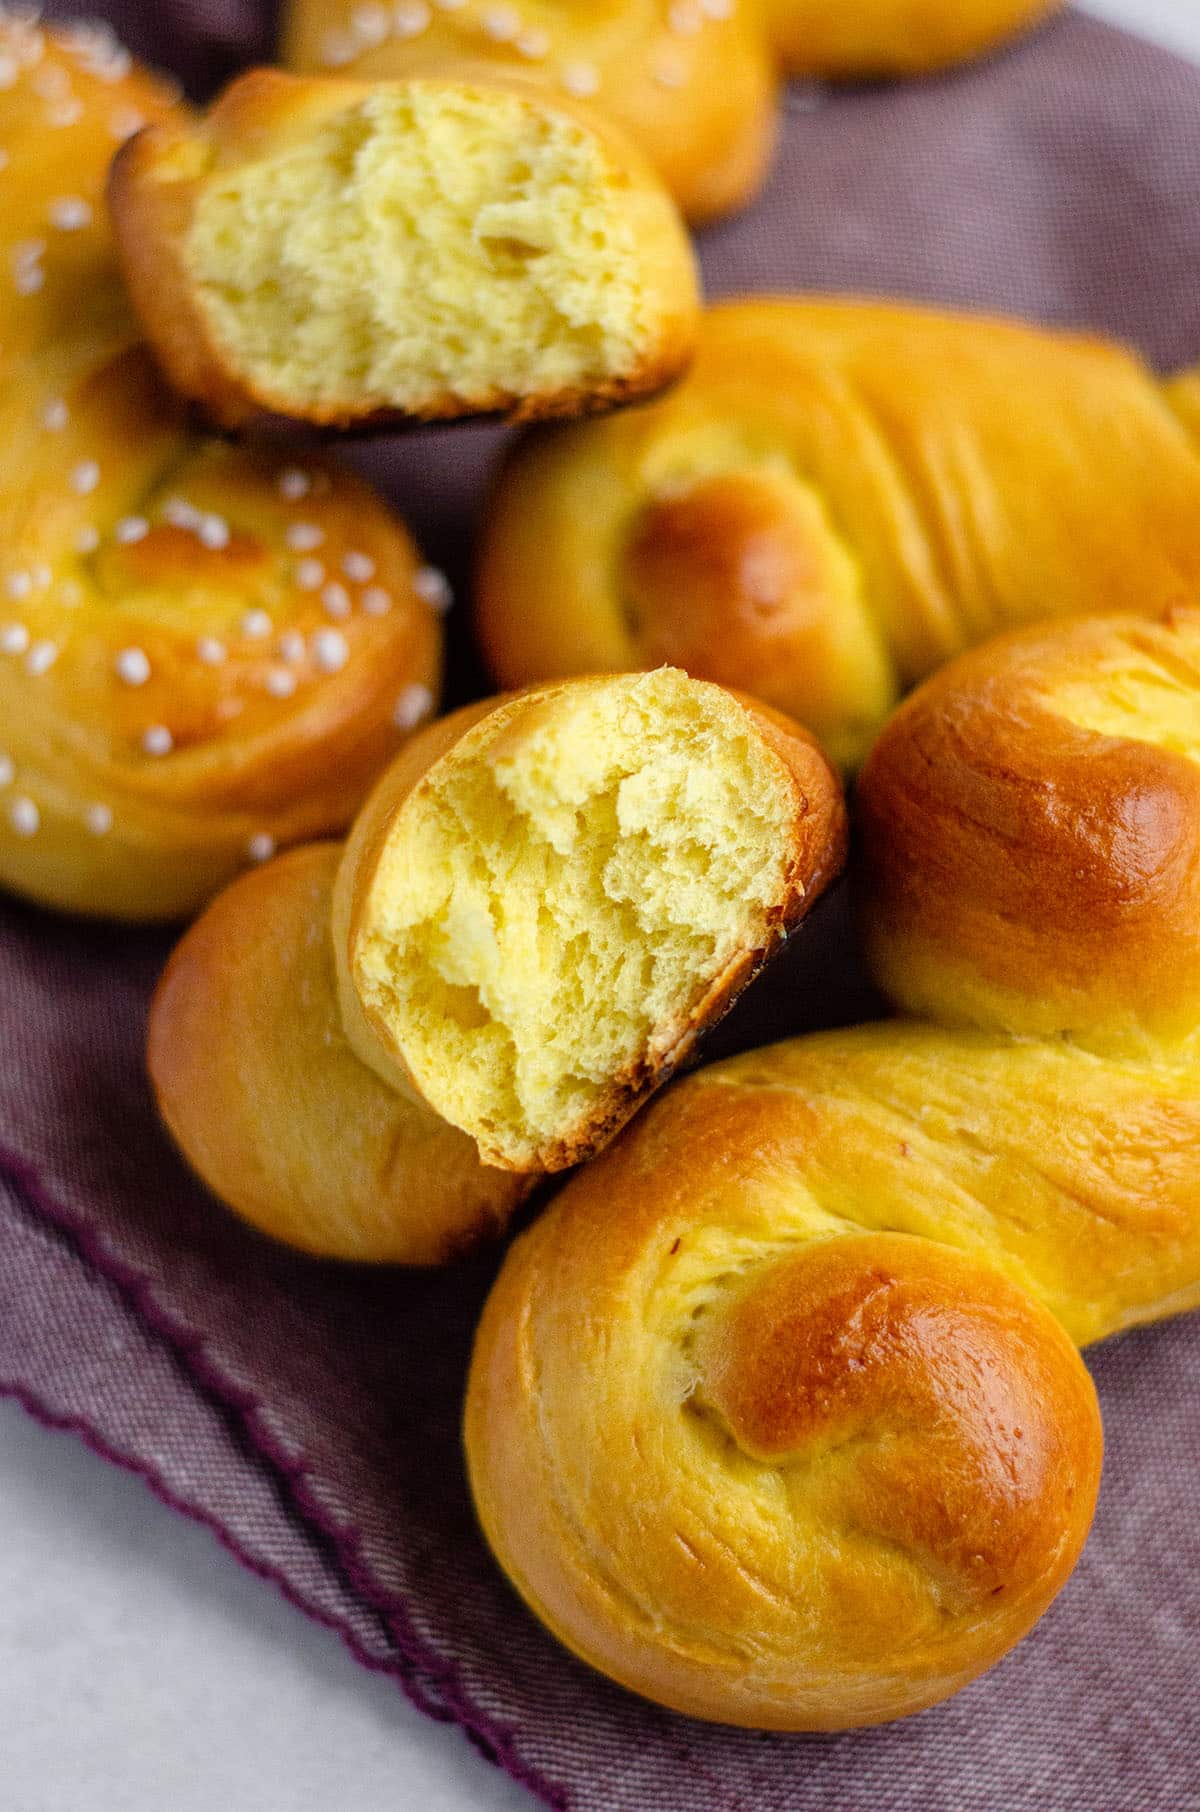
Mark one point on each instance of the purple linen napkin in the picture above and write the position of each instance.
(309, 1413)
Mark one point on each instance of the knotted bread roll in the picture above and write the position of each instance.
(839, 497)
(205, 650)
(447, 245)
(693, 82)
(544, 903)
(773, 1415)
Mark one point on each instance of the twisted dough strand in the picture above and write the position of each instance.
(203, 648)
(837, 499)
(761, 1460)
(773, 1416)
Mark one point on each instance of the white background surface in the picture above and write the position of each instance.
(141, 1670)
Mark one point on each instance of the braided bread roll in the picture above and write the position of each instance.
(693, 82)
(205, 650)
(839, 497)
(544, 903)
(773, 1416)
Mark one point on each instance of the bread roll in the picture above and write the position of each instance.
(561, 889)
(839, 497)
(773, 1416)
(442, 246)
(205, 650)
(548, 898)
(752, 1453)
(1031, 826)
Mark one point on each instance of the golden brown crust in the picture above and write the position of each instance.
(738, 578)
(839, 497)
(158, 178)
(816, 856)
(894, 37)
(761, 1464)
(193, 665)
(150, 205)
(260, 1089)
(1183, 395)
(990, 812)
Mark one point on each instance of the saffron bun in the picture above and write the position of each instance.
(1082, 932)
(693, 86)
(693, 82)
(839, 497)
(774, 1415)
(606, 907)
(206, 650)
(256, 1082)
(754, 1453)
(548, 898)
(445, 245)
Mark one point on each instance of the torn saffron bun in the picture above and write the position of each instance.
(443, 246)
(548, 898)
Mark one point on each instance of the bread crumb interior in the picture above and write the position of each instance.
(432, 239)
(561, 891)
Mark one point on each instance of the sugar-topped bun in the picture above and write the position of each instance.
(205, 650)
(693, 82)
(548, 898)
(258, 1085)
(451, 244)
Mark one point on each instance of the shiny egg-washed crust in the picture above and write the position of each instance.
(158, 178)
(816, 857)
(771, 1416)
(839, 497)
(188, 674)
(760, 1460)
(257, 1083)
(894, 37)
(693, 82)
(1031, 840)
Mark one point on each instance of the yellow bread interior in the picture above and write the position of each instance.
(429, 240)
(560, 894)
